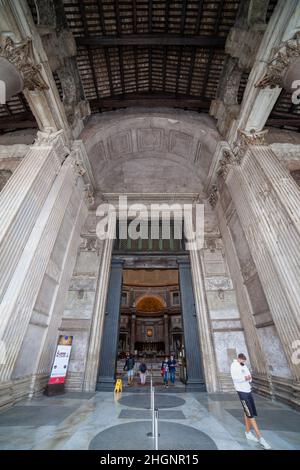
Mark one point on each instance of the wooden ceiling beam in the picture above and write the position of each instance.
(293, 122)
(152, 40)
(18, 121)
(183, 17)
(153, 100)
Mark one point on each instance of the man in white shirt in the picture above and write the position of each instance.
(242, 379)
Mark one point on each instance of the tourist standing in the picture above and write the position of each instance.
(172, 369)
(129, 367)
(165, 371)
(241, 379)
(143, 372)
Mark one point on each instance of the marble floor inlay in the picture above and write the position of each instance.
(103, 420)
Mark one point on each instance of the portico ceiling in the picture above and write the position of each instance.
(142, 151)
(149, 53)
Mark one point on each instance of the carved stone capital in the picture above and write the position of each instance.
(81, 157)
(89, 194)
(246, 139)
(21, 56)
(285, 55)
(226, 163)
(239, 148)
(90, 243)
(253, 137)
(78, 169)
(54, 142)
(214, 196)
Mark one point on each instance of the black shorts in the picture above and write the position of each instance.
(248, 404)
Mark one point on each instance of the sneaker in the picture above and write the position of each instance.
(251, 436)
(264, 443)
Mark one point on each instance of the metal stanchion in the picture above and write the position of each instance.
(153, 413)
(156, 429)
(151, 434)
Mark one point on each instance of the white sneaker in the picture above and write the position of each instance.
(264, 443)
(251, 436)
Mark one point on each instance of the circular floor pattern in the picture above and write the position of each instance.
(143, 401)
(133, 436)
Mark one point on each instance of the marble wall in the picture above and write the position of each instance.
(226, 327)
(80, 302)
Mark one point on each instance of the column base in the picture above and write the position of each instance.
(194, 385)
(105, 384)
(15, 390)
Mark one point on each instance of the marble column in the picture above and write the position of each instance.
(77, 213)
(166, 333)
(22, 199)
(109, 343)
(132, 335)
(20, 295)
(92, 360)
(205, 334)
(267, 202)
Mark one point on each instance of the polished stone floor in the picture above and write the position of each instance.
(103, 420)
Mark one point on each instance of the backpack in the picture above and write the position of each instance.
(143, 368)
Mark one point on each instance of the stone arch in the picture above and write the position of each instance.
(150, 303)
(150, 151)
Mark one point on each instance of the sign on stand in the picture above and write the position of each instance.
(59, 369)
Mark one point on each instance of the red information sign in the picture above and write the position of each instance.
(61, 361)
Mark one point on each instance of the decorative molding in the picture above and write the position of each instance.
(55, 141)
(49, 138)
(213, 170)
(214, 196)
(180, 143)
(253, 137)
(21, 56)
(245, 139)
(90, 243)
(89, 194)
(78, 169)
(218, 283)
(235, 157)
(226, 163)
(80, 155)
(284, 55)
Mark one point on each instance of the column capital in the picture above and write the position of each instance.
(234, 156)
(21, 56)
(55, 141)
(253, 137)
(279, 68)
